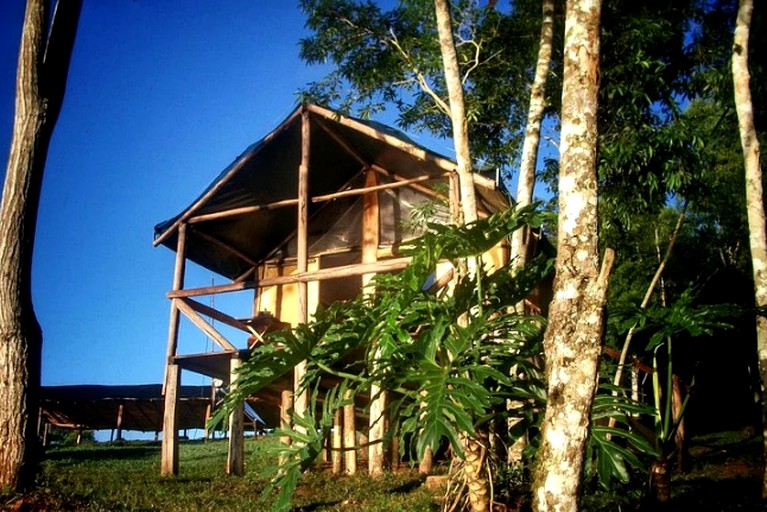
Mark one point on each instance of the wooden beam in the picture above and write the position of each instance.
(355, 269)
(215, 241)
(235, 461)
(368, 189)
(234, 169)
(169, 464)
(200, 322)
(212, 290)
(412, 150)
(341, 142)
(178, 284)
(216, 315)
(243, 210)
(415, 186)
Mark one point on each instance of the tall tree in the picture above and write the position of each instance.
(43, 66)
(573, 338)
(754, 192)
(460, 124)
(526, 180)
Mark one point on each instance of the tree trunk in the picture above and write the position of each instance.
(40, 84)
(573, 338)
(457, 110)
(526, 181)
(754, 193)
(476, 479)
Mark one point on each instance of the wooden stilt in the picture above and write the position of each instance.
(169, 464)
(46, 429)
(370, 237)
(350, 436)
(286, 405)
(235, 463)
(178, 284)
(206, 432)
(120, 422)
(336, 444)
(301, 398)
(427, 462)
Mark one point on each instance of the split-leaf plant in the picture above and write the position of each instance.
(447, 379)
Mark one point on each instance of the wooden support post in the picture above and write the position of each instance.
(120, 409)
(301, 399)
(206, 432)
(46, 429)
(370, 236)
(336, 444)
(350, 436)
(286, 405)
(169, 465)
(79, 437)
(235, 462)
(178, 284)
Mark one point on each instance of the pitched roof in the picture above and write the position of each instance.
(341, 149)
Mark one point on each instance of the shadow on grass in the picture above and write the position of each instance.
(99, 453)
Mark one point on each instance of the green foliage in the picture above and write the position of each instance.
(614, 452)
(445, 357)
(389, 58)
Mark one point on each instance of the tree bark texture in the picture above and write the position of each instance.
(457, 110)
(754, 193)
(573, 338)
(526, 181)
(40, 84)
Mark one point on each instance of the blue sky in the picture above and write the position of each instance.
(161, 97)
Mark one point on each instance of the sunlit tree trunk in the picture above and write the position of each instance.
(754, 193)
(474, 463)
(457, 110)
(573, 338)
(40, 84)
(526, 181)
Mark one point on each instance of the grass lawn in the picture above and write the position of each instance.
(121, 477)
(723, 474)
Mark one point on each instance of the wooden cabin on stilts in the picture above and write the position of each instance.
(304, 217)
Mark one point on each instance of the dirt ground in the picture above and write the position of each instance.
(723, 473)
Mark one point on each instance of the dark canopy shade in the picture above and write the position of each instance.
(341, 150)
